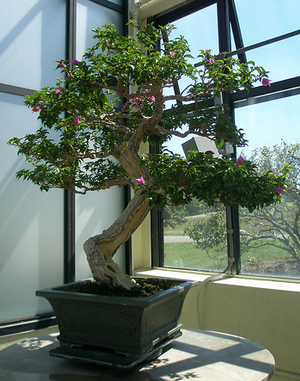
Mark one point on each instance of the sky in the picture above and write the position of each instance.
(269, 122)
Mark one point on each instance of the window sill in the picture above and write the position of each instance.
(234, 280)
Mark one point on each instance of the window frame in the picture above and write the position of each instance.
(227, 18)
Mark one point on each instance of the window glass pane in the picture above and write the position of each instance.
(265, 124)
(261, 20)
(280, 59)
(32, 39)
(271, 19)
(195, 235)
(31, 223)
(270, 237)
(200, 30)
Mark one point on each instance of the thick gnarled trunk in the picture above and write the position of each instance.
(101, 248)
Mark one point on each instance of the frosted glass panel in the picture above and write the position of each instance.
(90, 16)
(32, 35)
(94, 213)
(31, 223)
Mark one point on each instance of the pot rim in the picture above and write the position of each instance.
(182, 286)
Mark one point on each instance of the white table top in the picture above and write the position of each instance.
(196, 355)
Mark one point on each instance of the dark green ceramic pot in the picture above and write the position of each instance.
(126, 325)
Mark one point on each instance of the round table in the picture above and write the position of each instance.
(196, 355)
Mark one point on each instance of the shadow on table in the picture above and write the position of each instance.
(181, 360)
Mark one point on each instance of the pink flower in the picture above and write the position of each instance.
(208, 51)
(136, 99)
(128, 103)
(279, 190)
(172, 53)
(141, 181)
(152, 99)
(77, 120)
(139, 106)
(211, 60)
(69, 75)
(123, 109)
(60, 90)
(75, 62)
(61, 64)
(266, 82)
(240, 160)
(41, 106)
(35, 108)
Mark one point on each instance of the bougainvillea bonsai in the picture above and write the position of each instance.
(96, 119)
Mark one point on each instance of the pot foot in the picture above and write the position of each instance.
(107, 357)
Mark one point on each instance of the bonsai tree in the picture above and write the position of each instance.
(96, 119)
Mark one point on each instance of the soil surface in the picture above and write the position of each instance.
(277, 267)
(145, 288)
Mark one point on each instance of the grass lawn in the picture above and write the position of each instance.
(179, 228)
(187, 255)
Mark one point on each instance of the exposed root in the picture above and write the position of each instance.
(104, 269)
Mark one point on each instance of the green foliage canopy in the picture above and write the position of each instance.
(96, 118)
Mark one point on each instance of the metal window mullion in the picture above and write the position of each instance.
(236, 30)
(263, 43)
(260, 91)
(178, 11)
(223, 25)
(15, 90)
(127, 188)
(109, 5)
(232, 221)
(69, 197)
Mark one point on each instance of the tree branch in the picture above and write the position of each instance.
(85, 189)
(81, 156)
